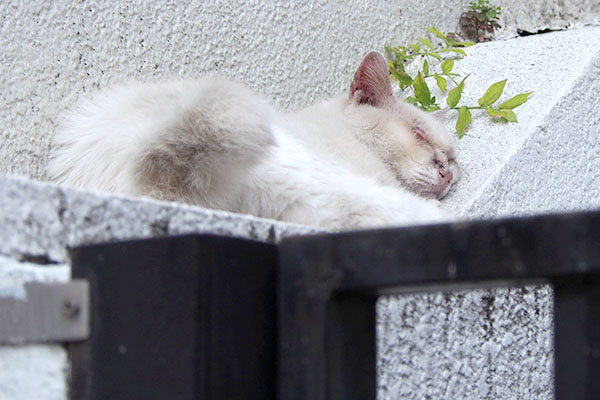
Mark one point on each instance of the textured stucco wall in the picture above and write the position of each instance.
(481, 344)
(534, 16)
(293, 52)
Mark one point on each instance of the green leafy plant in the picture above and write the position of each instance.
(401, 56)
(480, 21)
(438, 65)
(503, 111)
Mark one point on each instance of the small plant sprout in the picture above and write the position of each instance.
(480, 21)
(438, 66)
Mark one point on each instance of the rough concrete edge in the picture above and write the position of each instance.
(476, 208)
(42, 220)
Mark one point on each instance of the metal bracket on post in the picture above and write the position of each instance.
(45, 312)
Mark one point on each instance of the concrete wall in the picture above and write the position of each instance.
(292, 52)
(482, 344)
(549, 160)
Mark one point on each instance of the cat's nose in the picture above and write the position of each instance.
(446, 175)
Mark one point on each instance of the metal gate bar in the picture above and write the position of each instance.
(328, 285)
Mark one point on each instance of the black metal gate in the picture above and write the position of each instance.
(206, 317)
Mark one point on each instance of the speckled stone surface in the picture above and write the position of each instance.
(41, 220)
(481, 344)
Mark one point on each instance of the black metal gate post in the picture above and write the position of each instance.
(326, 336)
(577, 338)
(190, 317)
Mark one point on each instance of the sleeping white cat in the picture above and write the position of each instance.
(362, 159)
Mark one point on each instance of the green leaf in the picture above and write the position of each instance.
(466, 43)
(515, 101)
(404, 79)
(439, 34)
(426, 67)
(389, 51)
(411, 100)
(426, 42)
(432, 108)
(421, 90)
(492, 94)
(441, 82)
(493, 112)
(435, 55)
(416, 47)
(507, 115)
(464, 119)
(458, 51)
(456, 93)
(447, 66)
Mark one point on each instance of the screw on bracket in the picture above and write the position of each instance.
(70, 308)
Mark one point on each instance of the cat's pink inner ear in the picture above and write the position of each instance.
(419, 134)
(371, 84)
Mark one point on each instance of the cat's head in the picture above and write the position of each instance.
(416, 147)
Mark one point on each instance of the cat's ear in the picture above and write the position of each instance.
(371, 84)
(420, 134)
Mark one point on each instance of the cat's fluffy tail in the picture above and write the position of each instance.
(187, 141)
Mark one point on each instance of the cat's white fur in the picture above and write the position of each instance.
(363, 159)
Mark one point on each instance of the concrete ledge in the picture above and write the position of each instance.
(550, 159)
(45, 220)
(479, 344)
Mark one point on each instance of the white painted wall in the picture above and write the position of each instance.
(293, 52)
